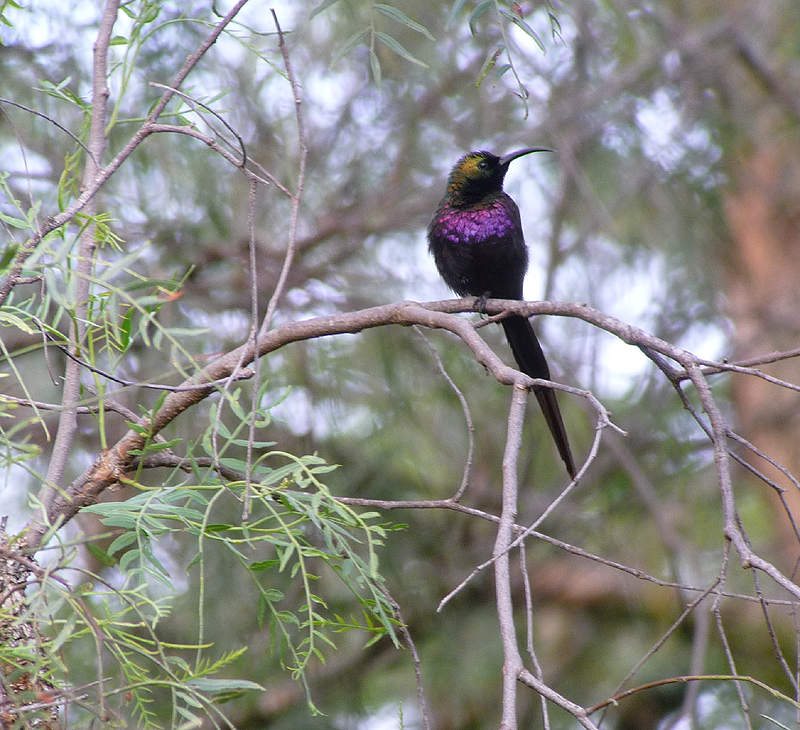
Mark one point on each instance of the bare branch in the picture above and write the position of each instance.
(56, 124)
(301, 178)
(68, 423)
(467, 417)
(512, 661)
(578, 712)
(113, 464)
(692, 678)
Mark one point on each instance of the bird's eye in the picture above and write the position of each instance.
(483, 164)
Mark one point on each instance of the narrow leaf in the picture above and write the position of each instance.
(14, 222)
(285, 556)
(6, 318)
(375, 65)
(125, 539)
(455, 11)
(476, 14)
(222, 685)
(394, 45)
(490, 61)
(402, 18)
(100, 555)
(322, 6)
(501, 70)
(520, 23)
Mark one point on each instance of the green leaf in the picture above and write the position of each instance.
(377, 636)
(50, 86)
(159, 402)
(402, 18)
(394, 45)
(260, 565)
(476, 14)
(322, 6)
(6, 318)
(455, 11)
(190, 700)
(125, 328)
(501, 70)
(125, 539)
(111, 516)
(155, 562)
(520, 23)
(63, 635)
(162, 445)
(254, 444)
(490, 61)
(262, 612)
(14, 222)
(223, 685)
(236, 464)
(128, 558)
(180, 663)
(194, 561)
(218, 528)
(375, 65)
(141, 430)
(285, 555)
(99, 554)
(8, 255)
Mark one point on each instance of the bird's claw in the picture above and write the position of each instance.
(480, 303)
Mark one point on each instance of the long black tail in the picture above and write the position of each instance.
(531, 360)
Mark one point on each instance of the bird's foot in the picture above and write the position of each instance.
(480, 303)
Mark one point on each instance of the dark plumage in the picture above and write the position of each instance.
(477, 243)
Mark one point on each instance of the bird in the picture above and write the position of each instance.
(476, 240)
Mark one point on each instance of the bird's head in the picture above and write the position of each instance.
(478, 174)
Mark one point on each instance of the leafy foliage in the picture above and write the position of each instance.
(294, 173)
(296, 528)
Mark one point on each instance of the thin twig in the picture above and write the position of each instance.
(241, 374)
(676, 624)
(56, 124)
(717, 611)
(301, 178)
(192, 60)
(465, 477)
(779, 653)
(251, 436)
(578, 712)
(603, 422)
(405, 631)
(212, 144)
(191, 100)
(691, 678)
(537, 668)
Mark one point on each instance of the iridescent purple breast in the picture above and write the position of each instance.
(480, 225)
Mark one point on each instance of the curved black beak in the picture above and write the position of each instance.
(506, 160)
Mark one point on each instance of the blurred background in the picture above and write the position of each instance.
(672, 202)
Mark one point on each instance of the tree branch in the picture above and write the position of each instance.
(512, 661)
(68, 422)
(114, 463)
